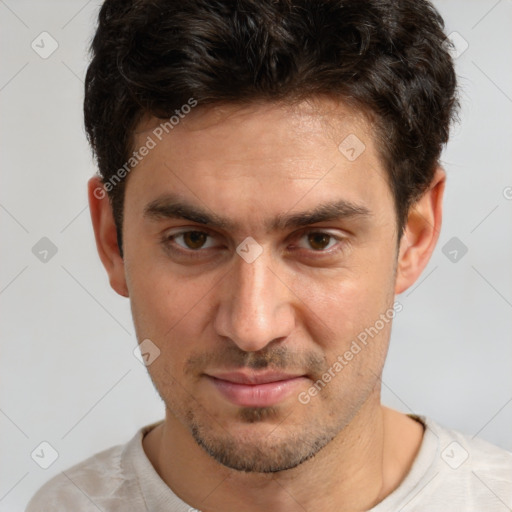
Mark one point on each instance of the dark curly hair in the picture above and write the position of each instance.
(389, 59)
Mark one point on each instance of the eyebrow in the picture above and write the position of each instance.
(170, 206)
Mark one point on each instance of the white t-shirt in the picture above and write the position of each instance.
(452, 472)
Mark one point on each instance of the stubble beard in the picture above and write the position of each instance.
(282, 448)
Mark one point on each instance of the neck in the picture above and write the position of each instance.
(364, 463)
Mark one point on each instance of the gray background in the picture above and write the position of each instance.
(69, 376)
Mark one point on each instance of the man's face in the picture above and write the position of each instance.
(287, 306)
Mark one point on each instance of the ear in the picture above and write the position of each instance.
(106, 235)
(421, 233)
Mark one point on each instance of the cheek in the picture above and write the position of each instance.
(344, 311)
(164, 305)
(347, 301)
(353, 330)
(172, 314)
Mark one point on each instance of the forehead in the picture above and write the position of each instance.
(322, 117)
(270, 156)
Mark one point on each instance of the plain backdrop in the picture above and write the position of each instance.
(69, 376)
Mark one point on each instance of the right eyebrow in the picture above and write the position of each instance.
(172, 207)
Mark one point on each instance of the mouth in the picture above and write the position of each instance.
(255, 389)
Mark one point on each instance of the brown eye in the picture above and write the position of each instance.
(319, 241)
(194, 239)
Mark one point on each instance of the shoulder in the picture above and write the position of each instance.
(90, 485)
(476, 470)
(461, 450)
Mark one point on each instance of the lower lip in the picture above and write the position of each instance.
(256, 395)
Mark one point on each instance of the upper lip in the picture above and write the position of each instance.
(254, 377)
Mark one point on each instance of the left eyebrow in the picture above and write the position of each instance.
(172, 207)
(327, 212)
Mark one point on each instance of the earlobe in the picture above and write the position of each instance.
(421, 233)
(105, 234)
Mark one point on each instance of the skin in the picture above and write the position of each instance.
(296, 308)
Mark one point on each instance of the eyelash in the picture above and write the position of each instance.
(170, 245)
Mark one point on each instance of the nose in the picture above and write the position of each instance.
(255, 306)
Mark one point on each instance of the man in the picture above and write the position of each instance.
(270, 181)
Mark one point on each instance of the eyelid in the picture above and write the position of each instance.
(324, 231)
(169, 236)
(188, 229)
(340, 245)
